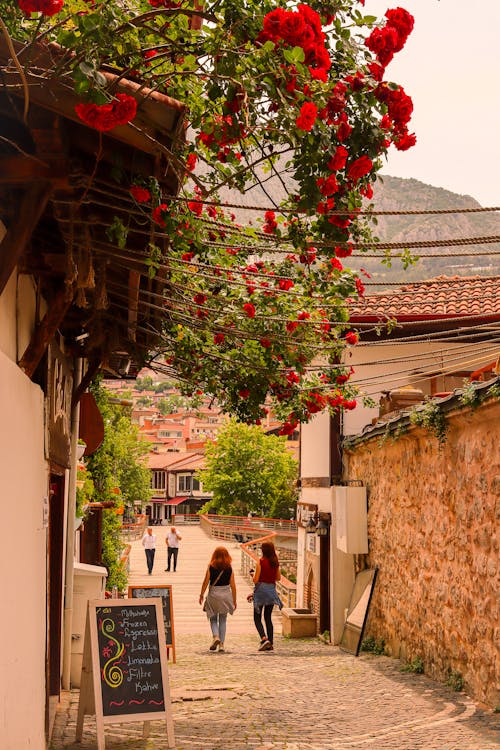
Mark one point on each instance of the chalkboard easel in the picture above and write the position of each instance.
(165, 593)
(125, 667)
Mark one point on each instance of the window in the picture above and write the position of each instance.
(187, 483)
(158, 480)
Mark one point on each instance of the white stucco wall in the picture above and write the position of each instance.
(410, 364)
(315, 447)
(23, 485)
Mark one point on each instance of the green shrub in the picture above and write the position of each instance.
(373, 646)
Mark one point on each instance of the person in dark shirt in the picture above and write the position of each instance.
(265, 596)
(221, 595)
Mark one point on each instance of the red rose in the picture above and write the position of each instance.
(360, 287)
(141, 195)
(360, 167)
(244, 393)
(187, 256)
(191, 162)
(343, 252)
(158, 214)
(265, 342)
(45, 7)
(249, 309)
(219, 338)
(383, 42)
(196, 207)
(105, 117)
(349, 405)
(285, 284)
(405, 141)
(336, 264)
(291, 326)
(293, 28)
(403, 22)
(292, 377)
(200, 298)
(329, 186)
(351, 338)
(339, 159)
(307, 116)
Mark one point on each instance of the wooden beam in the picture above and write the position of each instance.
(44, 332)
(19, 234)
(17, 170)
(92, 369)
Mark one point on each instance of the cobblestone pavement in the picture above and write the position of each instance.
(303, 696)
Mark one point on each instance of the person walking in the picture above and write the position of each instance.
(221, 595)
(172, 540)
(265, 596)
(149, 544)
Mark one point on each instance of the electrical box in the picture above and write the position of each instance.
(351, 519)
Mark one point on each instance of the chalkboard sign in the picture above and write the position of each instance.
(129, 660)
(165, 593)
(125, 668)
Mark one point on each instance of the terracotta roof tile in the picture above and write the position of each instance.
(443, 296)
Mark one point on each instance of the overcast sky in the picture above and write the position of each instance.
(450, 66)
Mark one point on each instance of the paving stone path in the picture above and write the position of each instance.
(303, 696)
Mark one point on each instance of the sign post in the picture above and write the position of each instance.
(125, 667)
(165, 592)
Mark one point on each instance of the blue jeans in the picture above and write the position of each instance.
(218, 625)
(150, 558)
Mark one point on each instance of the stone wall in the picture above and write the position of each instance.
(433, 531)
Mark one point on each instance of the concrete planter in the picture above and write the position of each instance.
(299, 623)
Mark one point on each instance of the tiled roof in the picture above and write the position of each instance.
(443, 296)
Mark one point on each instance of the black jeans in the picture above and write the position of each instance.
(150, 558)
(172, 552)
(257, 618)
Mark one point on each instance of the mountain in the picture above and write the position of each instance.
(399, 194)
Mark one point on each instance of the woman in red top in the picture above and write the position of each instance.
(265, 595)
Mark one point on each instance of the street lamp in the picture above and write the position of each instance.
(319, 523)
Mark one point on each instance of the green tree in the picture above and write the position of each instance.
(271, 91)
(118, 464)
(247, 470)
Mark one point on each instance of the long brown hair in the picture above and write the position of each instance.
(269, 552)
(221, 559)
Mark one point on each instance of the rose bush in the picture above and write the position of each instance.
(251, 309)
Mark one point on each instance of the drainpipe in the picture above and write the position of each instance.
(70, 537)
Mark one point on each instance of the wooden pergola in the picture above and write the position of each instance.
(62, 185)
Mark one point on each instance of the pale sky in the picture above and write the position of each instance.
(450, 66)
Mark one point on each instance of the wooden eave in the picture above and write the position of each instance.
(69, 168)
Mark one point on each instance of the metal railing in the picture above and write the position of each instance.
(287, 590)
(185, 519)
(131, 531)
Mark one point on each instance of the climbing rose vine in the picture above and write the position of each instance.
(256, 314)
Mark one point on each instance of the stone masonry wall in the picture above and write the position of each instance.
(433, 531)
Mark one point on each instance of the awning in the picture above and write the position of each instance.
(176, 500)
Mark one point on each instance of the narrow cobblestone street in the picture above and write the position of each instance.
(303, 696)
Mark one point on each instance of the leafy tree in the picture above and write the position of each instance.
(144, 384)
(300, 94)
(144, 401)
(247, 470)
(117, 465)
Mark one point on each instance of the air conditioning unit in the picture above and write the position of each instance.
(351, 520)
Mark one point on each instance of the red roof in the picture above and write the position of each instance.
(441, 297)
